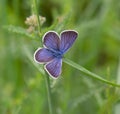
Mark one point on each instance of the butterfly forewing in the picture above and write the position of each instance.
(43, 55)
(67, 39)
(51, 40)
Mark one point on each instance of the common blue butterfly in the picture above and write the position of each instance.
(54, 47)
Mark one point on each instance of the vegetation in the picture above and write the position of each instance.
(90, 79)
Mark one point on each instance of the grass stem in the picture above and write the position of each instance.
(90, 74)
(36, 11)
(47, 79)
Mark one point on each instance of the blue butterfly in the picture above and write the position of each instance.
(54, 47)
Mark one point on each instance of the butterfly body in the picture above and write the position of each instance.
(55, 47)
(57, 53)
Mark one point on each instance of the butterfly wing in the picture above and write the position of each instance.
(51, 40)
(67, 39)
(54, 68)
(43, 55)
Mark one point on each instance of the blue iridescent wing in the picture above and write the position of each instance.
(54, 68)
(43, 55)
(67, 39)
(51, 40)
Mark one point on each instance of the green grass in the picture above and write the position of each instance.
(22, 81)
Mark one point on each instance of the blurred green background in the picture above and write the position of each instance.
(22, 84)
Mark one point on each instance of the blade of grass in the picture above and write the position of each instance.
(47, 80)
(90, 74)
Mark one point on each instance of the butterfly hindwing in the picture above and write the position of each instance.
(43, 55)
(51, 40)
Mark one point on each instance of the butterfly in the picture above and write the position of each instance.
(54, 47)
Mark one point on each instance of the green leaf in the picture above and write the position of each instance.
(19, 30)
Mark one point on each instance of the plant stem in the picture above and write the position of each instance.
(47, 80)
(36, 11)
(49, 94)
(84, 70)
